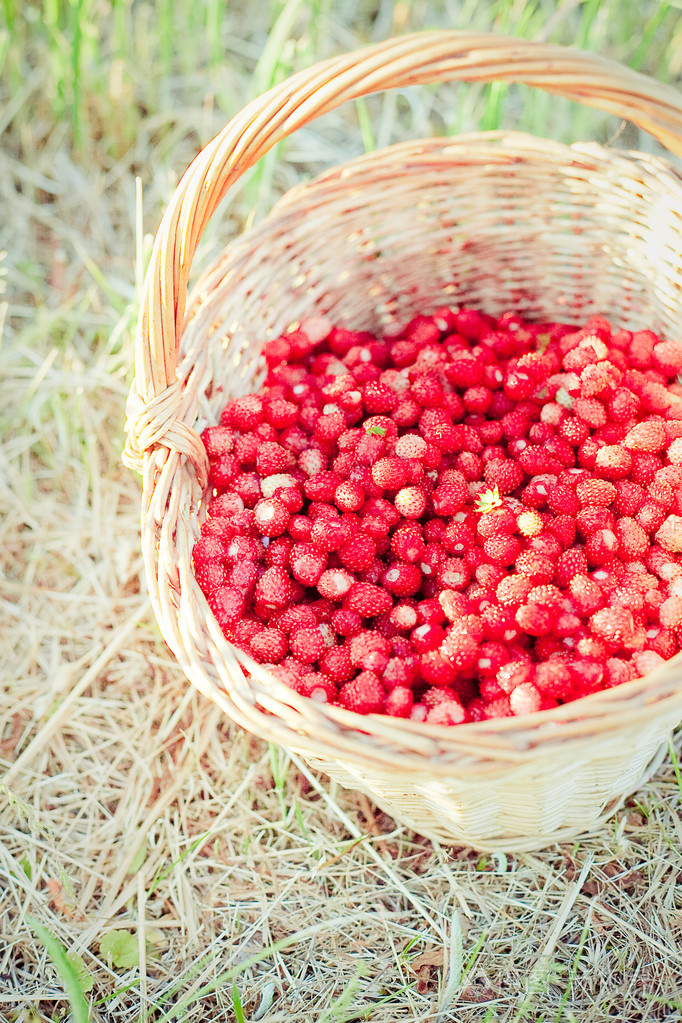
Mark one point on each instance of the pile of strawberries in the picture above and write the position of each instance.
(465, 519)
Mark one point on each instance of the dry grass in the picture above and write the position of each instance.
(247, 887)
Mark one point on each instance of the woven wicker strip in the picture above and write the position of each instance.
(496, 220)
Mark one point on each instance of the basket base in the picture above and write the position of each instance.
(452, 825)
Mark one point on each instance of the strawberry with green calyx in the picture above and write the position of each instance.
(488, 500)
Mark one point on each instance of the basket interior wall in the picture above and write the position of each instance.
(495, 221)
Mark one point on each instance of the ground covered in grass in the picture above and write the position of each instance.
(156, 863)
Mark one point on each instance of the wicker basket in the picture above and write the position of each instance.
(497, 220)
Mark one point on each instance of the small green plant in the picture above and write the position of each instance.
(121, 949)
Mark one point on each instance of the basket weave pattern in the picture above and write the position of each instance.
(497, 220)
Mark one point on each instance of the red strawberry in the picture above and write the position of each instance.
(269, 646)
(615, 625)
(669, 536)
(335, 583)
(370, 651)
(364, 694)
(273, 589)
(410, 502)
(367, 600)
(399, 702)
(535, 619)
(647, 436)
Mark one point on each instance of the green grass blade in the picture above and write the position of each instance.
(79, 14)
(164, 873)
(574, 972)
(365, 125)
(66, 970)
(237, 1005)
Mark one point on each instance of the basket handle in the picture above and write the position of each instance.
(155, 403)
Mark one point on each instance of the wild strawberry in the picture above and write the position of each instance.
(245, 413)
(426, 637)
(368, 600)
(449, 497)
(210, 575)
(491, 657)
(586, 593)
(525, 699)
(666, 354)
(515, 673)
(671, 612)
(402, 579)
(431, 611)
(505, 475)
(281, 413)
(562, 500)
(554, 679)
(644, 467)
(410, 502)
(227, 605)
(613, 462)
(401, 670)
(537, 567)
(271, 517)
(243, 576)
(269, 646)
(334, 583)
(615, 625)
(596, 492)
(649, 436)
(574, 430)
(346, 623)
(535, 619)
(370, 651)
(358, 553)
(496, 522)
(218, 441)
(307, 563)
(535, 494)
(529, 524)
(364, 694)
(646, 661)
(499, 623)
(502, 550)
(307, 644)
(601, 546)
(623, 405)
(349, 496)
(632, 539)
(389, 473)
(617, 671)
(664, 642)
(449, 712)
(243, 548)
(312, 462)
(590, 411)
(399, 702)
(669, 536)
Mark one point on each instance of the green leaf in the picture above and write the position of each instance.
(68, 973)
(85, 978)
(377, 431)
(138, 859)
(487, 501)
(121, 949)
